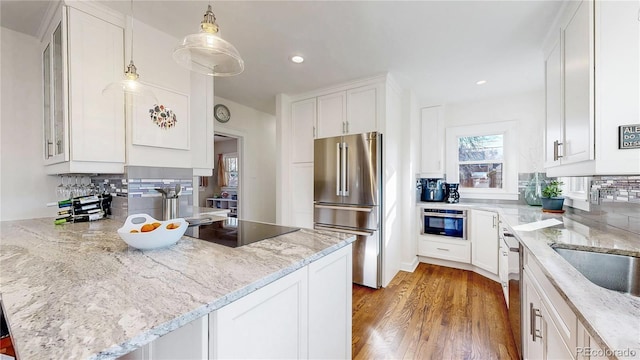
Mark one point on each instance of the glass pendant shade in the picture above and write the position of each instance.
(131, 86)
(207, 53)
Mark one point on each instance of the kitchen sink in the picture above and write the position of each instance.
(610, 271)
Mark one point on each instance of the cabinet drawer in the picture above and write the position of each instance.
(561, 314)
(456, 250)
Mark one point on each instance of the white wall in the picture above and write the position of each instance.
(24, 186)
(527, 108)
(258, 159)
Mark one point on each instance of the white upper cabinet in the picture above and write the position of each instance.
(553, 93)
(303, 130)
(353, 111)
(362, 109)
(432, 142)
(86, 132)
(595, 90)
(577, 39)
(332, 114)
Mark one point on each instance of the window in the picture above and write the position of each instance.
(483, 160)
(231, 169)
(480, 161)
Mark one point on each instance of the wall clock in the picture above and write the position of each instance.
(221, 113)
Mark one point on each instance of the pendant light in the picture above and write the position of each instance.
(207, 53)
(130, 84)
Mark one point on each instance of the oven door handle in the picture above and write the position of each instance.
(346, 208)
(348, 231)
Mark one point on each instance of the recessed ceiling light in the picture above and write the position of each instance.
(297, 59)
(481, 82)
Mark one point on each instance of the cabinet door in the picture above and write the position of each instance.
(303, 129)
(270, 323)
(484, 240)
(96, 59)
(332, 116)
(555, 348)
(301, 195)
(330, 281)
(432, 142)
(553, 93)
(54, 109)
(503, 270)
(532, 321)
(578, 85)
(362, 109)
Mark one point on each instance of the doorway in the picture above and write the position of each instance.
(223, 189)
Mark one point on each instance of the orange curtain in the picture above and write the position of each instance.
(222, 173)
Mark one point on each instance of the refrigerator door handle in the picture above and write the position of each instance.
(338, 174)
(346, 208)
(345, 169)
(348, 231)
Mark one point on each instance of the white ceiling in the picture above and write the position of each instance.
(437, 48)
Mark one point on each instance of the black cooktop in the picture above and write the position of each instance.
(234, 233)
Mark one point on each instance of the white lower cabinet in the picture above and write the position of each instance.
(587, 347)
(549, 326)
(305, 314)
(484, 240)
(330, 306)
(268, 323)
(503, 270)
(440, 247)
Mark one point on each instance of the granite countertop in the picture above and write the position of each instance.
(78, 291)
(611, 317)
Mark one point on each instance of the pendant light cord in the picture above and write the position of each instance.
(131, 30)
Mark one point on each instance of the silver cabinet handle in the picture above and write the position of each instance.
(47, 152)
(556, 151)
(343, 127)
(314, 132)
(533, 314)
(494, 221)
(504, 285)
(347, 127)
(442, 249)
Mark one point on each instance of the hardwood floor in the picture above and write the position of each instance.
(434, 313)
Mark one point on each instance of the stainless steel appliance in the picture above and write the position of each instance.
(445, 222)
(432, 189)
(514, 278)
(235, 233)
(348, 197)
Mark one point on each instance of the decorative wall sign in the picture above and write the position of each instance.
(629, 136)
(165, 124)
(162, 116)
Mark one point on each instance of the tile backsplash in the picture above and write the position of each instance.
(616, 188)
(134, 191)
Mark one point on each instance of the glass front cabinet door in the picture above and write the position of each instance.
(54, 112)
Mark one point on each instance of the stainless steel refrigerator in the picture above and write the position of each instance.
(348, 197)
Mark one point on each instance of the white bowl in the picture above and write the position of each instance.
(158, 238)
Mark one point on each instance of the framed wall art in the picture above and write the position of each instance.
(163, 124)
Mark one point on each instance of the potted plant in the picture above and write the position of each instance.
(551, 199)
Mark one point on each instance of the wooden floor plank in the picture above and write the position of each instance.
(433, 313)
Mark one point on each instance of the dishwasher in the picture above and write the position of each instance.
(514, 279)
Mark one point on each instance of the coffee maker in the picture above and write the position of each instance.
(432, 189)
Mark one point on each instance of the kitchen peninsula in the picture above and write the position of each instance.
(78, 291)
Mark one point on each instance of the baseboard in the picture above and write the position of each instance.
(410, 267)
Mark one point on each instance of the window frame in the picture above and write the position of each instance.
(509, 131)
